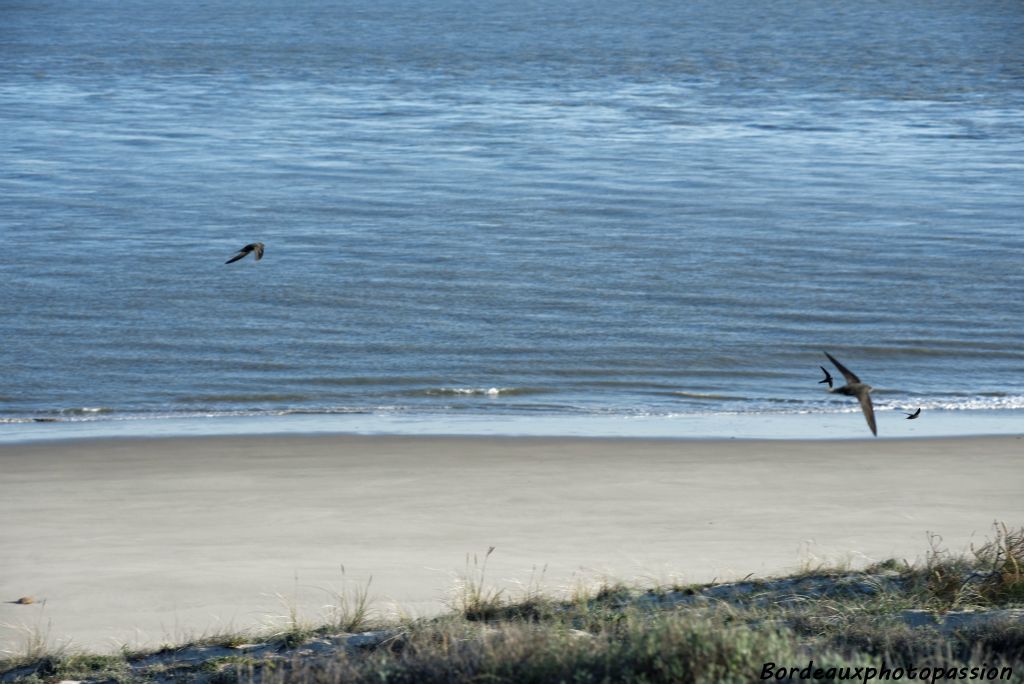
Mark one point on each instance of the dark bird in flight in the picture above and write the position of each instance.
(256, 247)
(828, 377)
(855, 388)
(915, 414)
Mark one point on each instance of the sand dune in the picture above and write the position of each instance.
(149, 541)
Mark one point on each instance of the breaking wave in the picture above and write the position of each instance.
(701, 404)
(476, 392)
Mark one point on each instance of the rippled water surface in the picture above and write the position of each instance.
(553, 208)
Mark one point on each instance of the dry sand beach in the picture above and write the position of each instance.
(144, 541)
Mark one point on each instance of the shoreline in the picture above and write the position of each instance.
(147, 540)
(848, 424)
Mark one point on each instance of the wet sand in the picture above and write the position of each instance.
(148, 541)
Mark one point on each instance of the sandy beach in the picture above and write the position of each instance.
(147, 541)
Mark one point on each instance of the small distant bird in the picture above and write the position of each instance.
(915, 414)
(256, 247)
(23, 601)
(855, 388)
(828, 377)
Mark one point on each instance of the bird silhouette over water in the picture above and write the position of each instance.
(855, 388)
(828, 377)
(915, 414)
(256, 247)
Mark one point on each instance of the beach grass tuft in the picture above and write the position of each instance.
(350, 607)
(472, 597)
(1002, 558)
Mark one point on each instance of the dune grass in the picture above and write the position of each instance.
(893, 614)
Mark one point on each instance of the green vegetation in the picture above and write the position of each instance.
(947, 612)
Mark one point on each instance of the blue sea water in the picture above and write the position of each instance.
(510, 211)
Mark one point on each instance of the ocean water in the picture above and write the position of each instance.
(510, 211)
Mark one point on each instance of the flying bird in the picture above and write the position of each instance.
(855, 388)
(828, 377)
(915, 414)
(256, 247)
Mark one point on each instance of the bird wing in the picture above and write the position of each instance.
(828, 376)
(251, 247)
(869, 411)
(847, 373)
